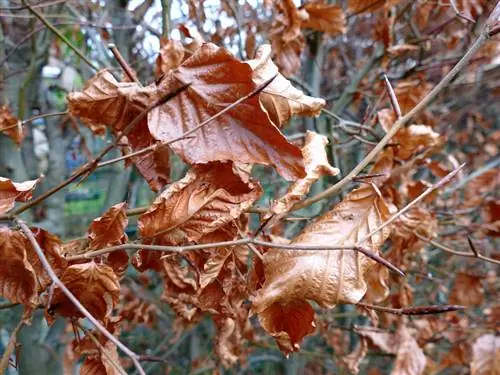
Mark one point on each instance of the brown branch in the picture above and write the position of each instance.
(125, 66)
(454, 252)
(4, 362)
(478, 43)
(418, 310)
(55, 279)
(392, 96)
(244, 241)
(427, 191)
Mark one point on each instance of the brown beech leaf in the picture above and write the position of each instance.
(354, 359)
(378, 280)
(324, 17)
(18, 281)
(317, 166)
(7, 122)
(244, 133)
(326, 277)
(109, 229)
(410, 358)
(207, 198)
(11, 192)
(170, 57)
(486, 355)
(467, 290)
(96, 287)
(280, 99)
(411, 139)
(361, 6)
(105, 102)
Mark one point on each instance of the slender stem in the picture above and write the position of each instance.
(418, 310)
(4, 362)
(55, 279)
(392, 96)
(65, 40)
(479, 42)
(125, 66)
(454, 252)
(243, 241)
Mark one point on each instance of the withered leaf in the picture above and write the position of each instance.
(244, 133)
(18, 281)
(105, 102)
(486, 355)
(11, 192)
(326, 277)
(324, 17)
(467, 290)
(96, 287)
(207, 198)
(280, 99)
(170, 57)
(361, 6)
(10, 125)
(109, 229)
(317, 166)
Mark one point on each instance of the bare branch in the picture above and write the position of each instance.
(4, 362)
(418, 310)
(392, 96)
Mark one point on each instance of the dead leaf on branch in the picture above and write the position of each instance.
(317, 166)
(362, 6)
(109, 229)
(105, 102)
(486, 355)
(94, 285)
(467, 290)
(10, 125)
(326, 277)
(326, 18)
(280, 99)
(244, 133)
(11, 192)
(18, 280)
(170, 57)
(410, 358)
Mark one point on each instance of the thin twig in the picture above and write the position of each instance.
(454, 252)
(55, 279)
(418, 310)
(427, 191)
(478, 43)
(59, 35)
(244, 241)
(4, 362)
(392, 96)
(126, 68)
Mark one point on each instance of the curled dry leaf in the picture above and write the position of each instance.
(209, 197)
(109, 229)
(286, 38)
(486, 355)
(317, 166)
(11, 192)
(10, 125)
(361, 6)
(326, 277)
(244, 133)
(105, 102)
(324, 17)
(280, 99)
(377, 279)
(410, 359)
(354, 359)
(170, 57)
(94, 285)
(18, 281)
(410, 139)
(467, 290)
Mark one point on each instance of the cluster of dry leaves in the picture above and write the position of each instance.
(285, 284)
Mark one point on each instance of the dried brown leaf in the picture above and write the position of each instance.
(11, 192)
(170, 57)
(326, 277)
(280, 99)
(109, 229)
(18, 280)
(94, 285)
(244, 133)
(486, 355)
(7, 122)
(467, 290)
(324, 17)
(361, 6)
